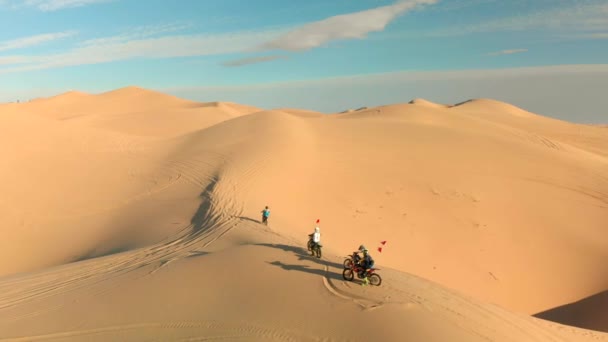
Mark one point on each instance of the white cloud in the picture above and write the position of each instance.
(8, 4)
(137, 33)
(54, 5)
(507, 52)
(9, 60)
(34, 40)
(461, 4)
(581, 16)
(146, 43)
(355, 25)
(252, 60)
(141, 43)
(595, 35)
(346, 26)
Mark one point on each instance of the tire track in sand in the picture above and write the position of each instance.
(216, 221)
(210, 329)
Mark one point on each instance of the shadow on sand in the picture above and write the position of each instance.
(306, 269)
(203, 218)
(303, 254)
(245, 218)
(587, 313)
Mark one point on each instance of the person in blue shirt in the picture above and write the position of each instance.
(265, 215)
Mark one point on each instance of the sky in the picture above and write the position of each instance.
(546, 56)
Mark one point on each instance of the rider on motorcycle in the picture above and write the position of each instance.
(356, 256)
(316, 239)
(367, 262)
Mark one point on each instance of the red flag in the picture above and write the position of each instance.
(380, 249)
(383, 242)
(317, 220)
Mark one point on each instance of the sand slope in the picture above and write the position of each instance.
(262, 288)
(87, 178)
(485, 207)
(136, 111)
(481, 197)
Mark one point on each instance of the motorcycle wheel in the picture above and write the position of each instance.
(347, 274)
(318, 252)
(375, 279)
(348, 263)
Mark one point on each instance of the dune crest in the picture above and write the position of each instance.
(490, 105)
(72, 95)
(301, 112)
(426, 103)
(231, 107)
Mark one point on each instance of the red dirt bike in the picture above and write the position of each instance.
(352, 259)
(373, 277)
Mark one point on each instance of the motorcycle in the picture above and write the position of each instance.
(373, 277)
(314, 250)
(352, 259)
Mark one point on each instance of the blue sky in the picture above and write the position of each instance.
(316, 54)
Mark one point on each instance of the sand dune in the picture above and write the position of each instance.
(170, 292)
(427, 103)
(133, 213)
(301, 112)
(136, 111)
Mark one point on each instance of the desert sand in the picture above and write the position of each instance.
(134, 215)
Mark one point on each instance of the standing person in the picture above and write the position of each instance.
(265, 215)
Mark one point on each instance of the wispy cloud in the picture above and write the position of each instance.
(34, 40)
(156, 42)
(10, 60)
(346, 26)
(507, 52)
(356, 25)
(143, 43)
(252, 60)
(580, 16)
(455, 5)
(137, 33)
(595, 35)
(54, 5)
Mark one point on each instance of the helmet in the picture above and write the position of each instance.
(362, 248)
(317, 229)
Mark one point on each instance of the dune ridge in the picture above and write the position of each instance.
(137, 202)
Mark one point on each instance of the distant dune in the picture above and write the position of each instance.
(301, 112)
(134, 214)
(426, 103)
